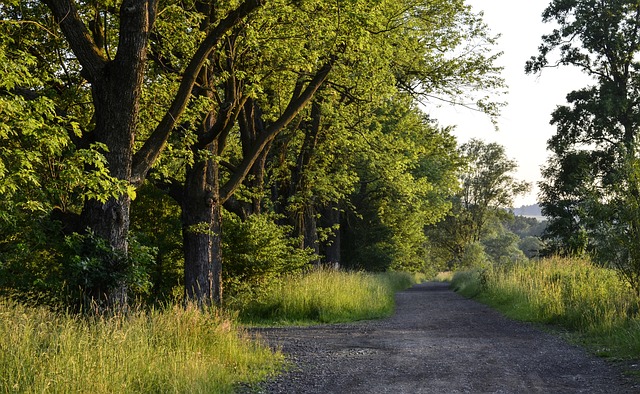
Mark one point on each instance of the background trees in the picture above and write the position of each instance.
(487, 188)
(591, 190)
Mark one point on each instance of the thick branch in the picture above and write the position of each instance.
(89, 55)
(296, 104)
(147, 155)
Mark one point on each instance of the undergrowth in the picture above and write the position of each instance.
(598, 308)
(177, 349)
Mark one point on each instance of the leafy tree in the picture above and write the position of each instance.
(98, 94)
(486, 189)
(405, 178)
(343, 124)
(591, 177)
(44, 171)
(529, 231)
(116, 85)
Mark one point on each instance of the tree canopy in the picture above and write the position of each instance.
(303, 112)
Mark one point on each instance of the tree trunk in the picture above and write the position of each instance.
(201, 232)
(331, 247)
(116, 94)
(309, 230)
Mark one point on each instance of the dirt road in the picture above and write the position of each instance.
(437, 342)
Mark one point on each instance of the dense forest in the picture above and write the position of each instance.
(158, 150)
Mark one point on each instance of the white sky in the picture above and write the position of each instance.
(524, 124)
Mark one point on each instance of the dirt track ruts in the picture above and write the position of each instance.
(437, 342)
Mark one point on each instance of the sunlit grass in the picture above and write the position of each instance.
(325, 296)
(594, 303)
(175, 350)
(444, 276)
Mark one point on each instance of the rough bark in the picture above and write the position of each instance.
(251, 128)
(330, 218)
(116, 86)
(201, 232)
(310, 231)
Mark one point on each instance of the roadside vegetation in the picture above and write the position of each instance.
(243, 146)
(170, 350)
(595, 305)
(324, 296)
(176, 349)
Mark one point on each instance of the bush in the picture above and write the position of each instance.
(93, 268)
(257, 252)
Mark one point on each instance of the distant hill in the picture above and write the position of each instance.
(528, 210)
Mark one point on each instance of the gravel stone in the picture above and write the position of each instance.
(436, 342)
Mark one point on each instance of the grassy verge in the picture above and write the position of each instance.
(173, 350)
(593, 304)
(324, 296)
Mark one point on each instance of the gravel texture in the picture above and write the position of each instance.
(437, 342)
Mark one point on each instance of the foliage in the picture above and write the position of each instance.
(67, 150)
(594, 303)
(405, 178)
(525, 226)
(171, 349)
(486, 189)
(155, 223)
(92, 266)
(615, 228)
(30, 261)
(325, 296)
(257, 252)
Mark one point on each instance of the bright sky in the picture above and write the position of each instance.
(524, 125)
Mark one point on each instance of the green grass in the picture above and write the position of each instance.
(594, 304)
(324, 296)
(175, 350)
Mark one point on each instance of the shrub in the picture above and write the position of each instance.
(258, 251)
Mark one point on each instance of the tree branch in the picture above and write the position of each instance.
(147, 155)
(296, 104)
(89, 55)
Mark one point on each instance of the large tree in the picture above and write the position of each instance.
(592, 176)
(122, 83)
(271, 68)
(104, 53)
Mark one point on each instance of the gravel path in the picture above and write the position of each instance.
(437, 342)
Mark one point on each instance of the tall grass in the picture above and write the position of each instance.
(325, 296)
(167, 351)
(594, 303)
